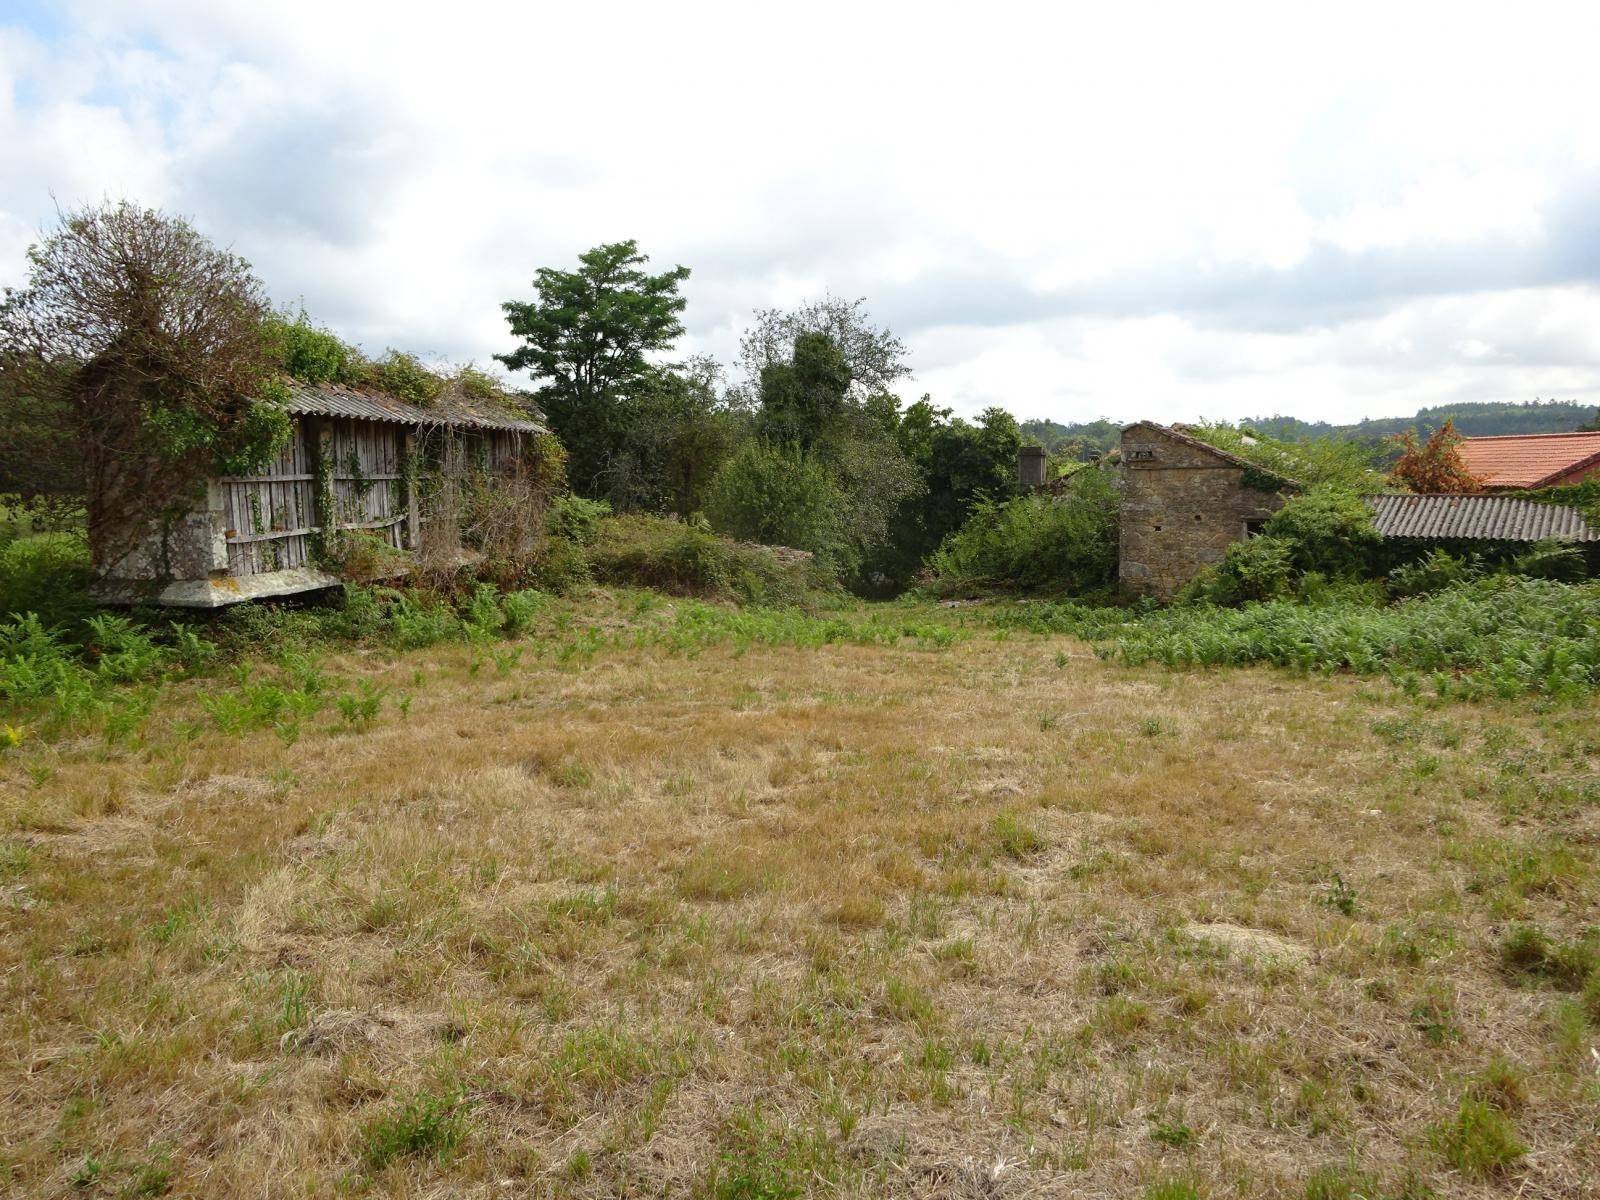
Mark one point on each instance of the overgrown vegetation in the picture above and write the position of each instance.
(1044, 542)
(133, 364)
(1501, 636)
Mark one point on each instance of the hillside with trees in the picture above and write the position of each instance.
(1084, 439)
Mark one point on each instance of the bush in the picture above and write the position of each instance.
(310, 353)
(1038, 542)
(1495, 637)
(576, 519)
(640, 551)
(1550, 559)
(1330, 532)
(780, 496)
(47, 574)
(1258, 568)
(1434, 573)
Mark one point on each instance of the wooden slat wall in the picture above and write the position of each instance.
(272, 515)
(268, 514)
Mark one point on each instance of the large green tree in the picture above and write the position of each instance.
(588, 337)
(962, 463)
(815, 413)
(874, 356)
(677, 429)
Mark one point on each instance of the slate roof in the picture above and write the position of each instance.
(1450, 516)
(452, 408)
(1527, 460)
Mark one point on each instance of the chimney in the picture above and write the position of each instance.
(1030, 468)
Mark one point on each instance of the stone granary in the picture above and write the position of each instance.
(1183, 504)
(357, 460)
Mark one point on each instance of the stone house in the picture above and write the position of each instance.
(1183, 504)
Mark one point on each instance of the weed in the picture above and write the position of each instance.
(1342, 1181)
(1172, 1133)
(1478, 1140)
(1014, 839)
(709, 876)
(428, 1125)
(360, 708)
(1340, 895)
(1528, 953)
(1172, 1189)
(762, 1159)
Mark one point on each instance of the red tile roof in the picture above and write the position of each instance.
(1529, 459)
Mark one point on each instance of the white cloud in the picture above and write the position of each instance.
(1175, 210)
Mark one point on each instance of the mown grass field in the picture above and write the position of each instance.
(968, 912)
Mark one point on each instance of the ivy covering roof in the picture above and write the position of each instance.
(453, 408)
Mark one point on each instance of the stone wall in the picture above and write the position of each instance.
(1183, 505)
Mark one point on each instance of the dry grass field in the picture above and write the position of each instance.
(979, 916)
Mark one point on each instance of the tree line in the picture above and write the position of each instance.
(810, 447)
(139, 359)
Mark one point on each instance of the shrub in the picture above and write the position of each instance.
(47, 574)
(364, 556)
(1258, 568)
(1038, 542)
(640, 551)
(560, 566)
(311, 353)
(1314, 464)
(576, 519)
(1327, 531)
(1435, 465)
(1550, 559)
(780, 496)
(405, 376)
(1500, 636)
(1439, 570)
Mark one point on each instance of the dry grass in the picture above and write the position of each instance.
(980, 920)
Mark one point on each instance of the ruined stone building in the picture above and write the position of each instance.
(1183, 504)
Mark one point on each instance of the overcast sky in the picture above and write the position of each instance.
(1203, 210)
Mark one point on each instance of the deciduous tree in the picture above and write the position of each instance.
(152, 344)
(588, 336)
(1435, 465)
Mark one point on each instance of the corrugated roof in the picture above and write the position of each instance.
(363, 404)
(1487, 518)
(1528, 459)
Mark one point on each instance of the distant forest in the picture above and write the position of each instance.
(1089, 438)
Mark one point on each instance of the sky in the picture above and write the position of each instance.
(1074, 210)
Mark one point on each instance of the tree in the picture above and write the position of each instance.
(152, 343)
(1435, 465)
(961, 464)
(804, 397)
(588, 335)
(810, 401)
(678, 427)
(874, 357)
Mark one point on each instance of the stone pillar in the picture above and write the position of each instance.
(1030, 467)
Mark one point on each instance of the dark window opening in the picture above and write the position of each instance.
(1254, 526)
